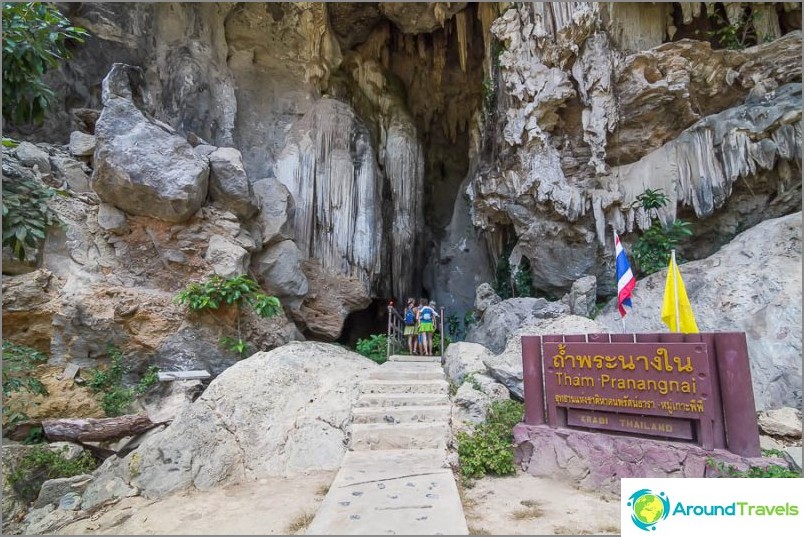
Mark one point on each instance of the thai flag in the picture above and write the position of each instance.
(625, 278)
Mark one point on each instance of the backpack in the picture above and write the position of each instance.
(427, 315)
(409, 317)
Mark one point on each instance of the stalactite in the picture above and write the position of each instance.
(689, 10)
(486, 13)
(463, 29)
(439, 56)
(766, 22)
(734, 12)
(328, 166)
(421, 44)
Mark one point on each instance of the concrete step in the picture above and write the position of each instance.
(406, 371)
(401, 399)
(380, 436)
(406, 414)
(404, 358)
(404, 386)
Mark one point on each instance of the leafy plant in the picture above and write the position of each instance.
(652, 250)
(437, 343)
(771, 471)
(210, 295)
(734, 36)
(488, 449)
(36, 37)
(42, 463)
(115, 398)
(19, 364)
(454, 327)
(469, 320)
(26, 214)
(374, 347)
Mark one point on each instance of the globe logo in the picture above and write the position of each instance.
(648, 508)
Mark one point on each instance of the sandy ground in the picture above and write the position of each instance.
(274, 506)
(527, 505)
(516, 505)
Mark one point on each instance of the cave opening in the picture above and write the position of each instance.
(363, 323)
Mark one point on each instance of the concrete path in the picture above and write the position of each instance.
(395, 479)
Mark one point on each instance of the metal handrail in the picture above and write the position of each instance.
(396, 332)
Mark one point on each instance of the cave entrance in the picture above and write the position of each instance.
(363, 323)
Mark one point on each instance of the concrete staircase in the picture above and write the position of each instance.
(394, 479)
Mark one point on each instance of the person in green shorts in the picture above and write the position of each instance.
(426, 326)
(410, 326)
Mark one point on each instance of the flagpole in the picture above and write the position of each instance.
(675, 291)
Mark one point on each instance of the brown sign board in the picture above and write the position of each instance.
(628, 423)
(657, 379)
(689, 387)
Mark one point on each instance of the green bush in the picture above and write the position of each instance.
(215, 292)
(19, 364)
(35, 39)
(26, 214)
(489, 448)
(116, 399)
(42, 463)
(374, 347)
(652, 250)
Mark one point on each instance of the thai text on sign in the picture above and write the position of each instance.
(660, 379)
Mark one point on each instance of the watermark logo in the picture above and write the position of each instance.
(648, 508)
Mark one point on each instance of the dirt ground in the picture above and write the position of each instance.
(527, 505)
(516, 505)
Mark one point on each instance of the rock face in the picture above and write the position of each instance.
(461, 359)
(143, 167)
(501, 320)
(752, 285)
(229, 184)
(281, 413)
(583, 296)
(276, 211)
(280, 269)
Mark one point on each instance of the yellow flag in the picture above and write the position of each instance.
(683, 320)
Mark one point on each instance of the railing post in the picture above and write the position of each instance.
(388, 338)
(441, 320)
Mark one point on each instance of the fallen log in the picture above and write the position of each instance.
(94, 430)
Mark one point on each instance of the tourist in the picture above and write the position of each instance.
(426, 326)
(409, 318)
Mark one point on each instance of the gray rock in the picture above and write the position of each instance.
(204, 150)
(501, 320)
(506, 367)
(766, 442)
(276, 211)
(461, 359)
(106, 486)
(68, 450)
(785, 422)
(485, 297)
(170, 399)
(307, 390)
(228, 182)
(793, 455)
(71, 171)
(583, 296)
(139, 166)
(193, 348)
(35, 516)
(174, 256)
(53, 489)
(752, 285)
(82, 145)
(227, 258)
(473, 398)
(14, 266)
(112, 219)
(31, 156)
(70, 501)
(280, 269)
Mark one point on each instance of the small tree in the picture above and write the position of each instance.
(217, 291)
(35, 39)
(653, 249)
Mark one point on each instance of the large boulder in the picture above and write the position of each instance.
(473, 399)
(227, 258)
(142, 166)
(280, 270)
(462, 358)
(501, 320)
(506, 367)
(751, 285)
(228, 182)
(81, 144)
(276, 210)
(784, 422)
(31, 155)
(279, 413)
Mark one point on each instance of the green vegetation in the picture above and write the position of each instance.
(518, 284)
(374, 347)
(42, 463)
(734, 36)
(771, 471)
(26, 214)
(472, 381)
(653, 249)
(215, 292)
(488, 449)
(36, 37)
(19, 363)
(115, 398)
